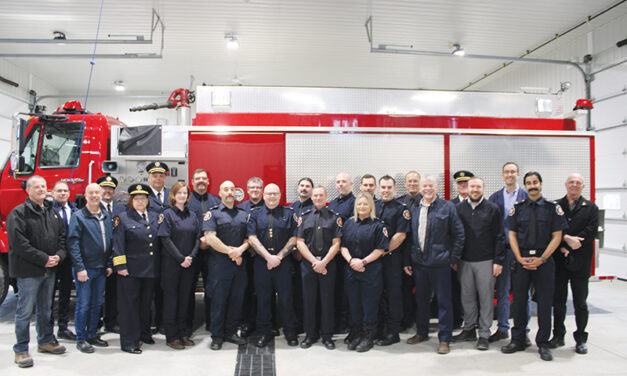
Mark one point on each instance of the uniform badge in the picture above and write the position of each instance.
(138, 187)
(116, 222)
(295, 217)
(385, 232)
(207, 216)
(558, 210)
(339, 221)
(511, 211)
(406, 214)
(160, 218)
(299, 220)
(157, 164)
(108, 178)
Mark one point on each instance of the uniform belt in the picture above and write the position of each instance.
(532, 252)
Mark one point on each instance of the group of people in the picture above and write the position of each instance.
(359, 264)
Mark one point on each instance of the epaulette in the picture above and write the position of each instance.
(214, 207)
(520, 202)
(309, 211)
(289, 208)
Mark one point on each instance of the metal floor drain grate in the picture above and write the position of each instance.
(255, 361)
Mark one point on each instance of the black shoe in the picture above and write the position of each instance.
(556, 342)
(498, 335)
(148, 340)
(135, 350)
(581, 348)
(328, 344)
(465, 335)
(483, 344)
(96, 341)
(366, 342)
(112, 329)
(388, 340)
(545, 353)
(263, 340)
(234, 338)
(352, 345)
(307, 342)
(84, 347)
(66, 334)
(512, 348)
(243, 332)
(216, 343)
(350, 337)
(527, 341)
(292, 340)
(275, 332)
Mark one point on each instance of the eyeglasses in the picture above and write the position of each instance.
(254, 187)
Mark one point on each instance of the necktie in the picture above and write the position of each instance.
(203, 205)
(109, 209)
(65, 220)
(318, 237)
(271, 232)
(145, 218)
(533, 223)
(159, 197)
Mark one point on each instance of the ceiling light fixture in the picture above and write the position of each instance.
(232, 43)
(458, 50)
(119, 85)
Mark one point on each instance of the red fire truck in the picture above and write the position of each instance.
(283, 134)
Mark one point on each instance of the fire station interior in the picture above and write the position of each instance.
(302, 88)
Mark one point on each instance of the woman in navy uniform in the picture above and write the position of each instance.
(179, 233)
(364, 241)
(136, 262)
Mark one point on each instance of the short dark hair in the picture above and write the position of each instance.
(367, 176)
(387, 177)
(308, 179)
(514, 163)
(198, 171)
(532, 173)
(60, 182)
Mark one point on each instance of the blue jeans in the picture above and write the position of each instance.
(89, 295)
(437, 278)
(34, 292)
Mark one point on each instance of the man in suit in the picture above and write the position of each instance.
(505, 198)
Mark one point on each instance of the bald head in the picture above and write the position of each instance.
(343, 184)
(272, 195)
(227, 193)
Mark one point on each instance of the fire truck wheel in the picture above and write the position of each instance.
(4, 279)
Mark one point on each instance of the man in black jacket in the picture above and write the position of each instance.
(481, 262)
(574, 262)
(36, 246)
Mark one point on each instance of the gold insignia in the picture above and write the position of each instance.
(462, 174)
(138, 187)
(160, 218)
(558, 210)
(511, 211)
(116, 222)
(108, 178)
(339, 221)
(157, 164)
(406, 214)
(119, 260)
(295, 217)
(385, 232)
(207, 216)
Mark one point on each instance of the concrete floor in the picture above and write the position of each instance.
(607, 352)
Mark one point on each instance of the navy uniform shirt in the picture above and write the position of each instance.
(549, 218)
(363, 237)
(135, 244)
(410, 201)
(344, 206)
(248, 205)
(182, 227)
(331, 229)
(156, 205)
(228, 224)
(394, 215)
(200, 204)
(284, 226)
(301, 207)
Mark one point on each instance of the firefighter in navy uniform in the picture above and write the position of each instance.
(271, 234)
(364, 241)
(318, 240)
(535, 231)
(136, 261)
(224, 227)
(110, 309)
(396, 217)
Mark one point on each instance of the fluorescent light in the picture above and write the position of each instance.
(119, 85)
(458, 51)
(232, 43)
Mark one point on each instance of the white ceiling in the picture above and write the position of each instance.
(286, 42)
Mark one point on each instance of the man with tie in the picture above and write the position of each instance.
(113, 209)
(535, 231)
(63, 282)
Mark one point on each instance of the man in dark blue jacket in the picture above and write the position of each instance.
(89, 245)
(505, 198)
(437, 242)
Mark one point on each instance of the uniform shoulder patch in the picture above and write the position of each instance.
(406, 214)
(160, 218)
(511, 211)
(339, 221)
(559, 210)
(295, 218)
(116, 222)
(207, 216)
(299, 220)
(385, 231)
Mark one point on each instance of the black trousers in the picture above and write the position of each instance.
(391, 310)
(63, 282)
(267, 281)
(363, 290)
(249, 308)
(579, 289)
(110, 311)
(227, 285)
(176, 283)
(543, 280)
(341, 299)
(134, 300)
(319, 296)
